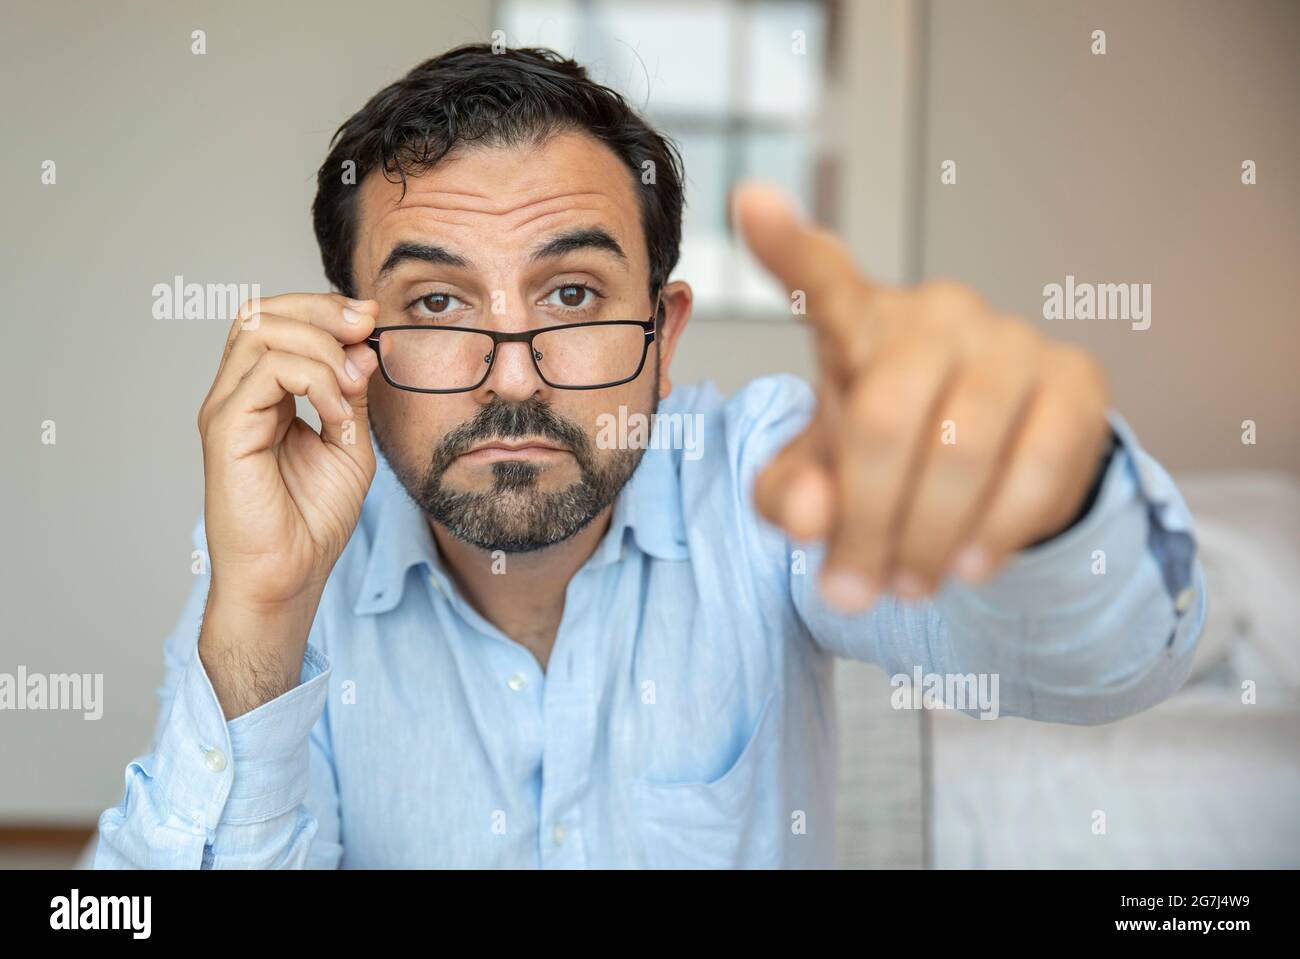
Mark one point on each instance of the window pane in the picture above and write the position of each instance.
(704, 157)
(671, 56)
(736, 85)
(783, 82)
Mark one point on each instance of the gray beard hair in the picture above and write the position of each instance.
(515, 516)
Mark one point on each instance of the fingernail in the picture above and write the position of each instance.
(347, 408)
(971, 562)
(847, 591)
(359, 304)
(352, 316)
(351, 370)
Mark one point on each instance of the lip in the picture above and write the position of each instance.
(493, 452)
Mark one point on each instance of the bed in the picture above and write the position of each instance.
(1205, 779)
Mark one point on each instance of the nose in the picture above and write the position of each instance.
(513, 377)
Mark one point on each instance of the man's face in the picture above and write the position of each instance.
(480, 230)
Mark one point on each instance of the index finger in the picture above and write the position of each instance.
(803, 256)
(347, 320)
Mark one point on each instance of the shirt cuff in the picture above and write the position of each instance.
(1138, 517)
(249, 769)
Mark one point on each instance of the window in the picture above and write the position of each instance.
(736, 84)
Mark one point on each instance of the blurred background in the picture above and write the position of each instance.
(989, 142)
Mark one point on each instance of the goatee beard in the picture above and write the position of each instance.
(515, 516)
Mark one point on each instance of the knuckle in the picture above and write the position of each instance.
(1079, 365)
(968, 456)
(1042, 476)
(211, 425)
(949, 296)
(1057, 441)
(842, 300)
(872, 408)
(879, 404)
(1016, 338)
(977, 422)
(250, 322)
(265, 361)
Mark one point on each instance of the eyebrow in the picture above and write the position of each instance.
(590, 238)
(422, 252)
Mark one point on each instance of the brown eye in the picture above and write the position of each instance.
(436, 302)
(573, 296)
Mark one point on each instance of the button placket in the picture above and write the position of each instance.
(569, 718)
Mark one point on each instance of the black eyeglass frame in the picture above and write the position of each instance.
(649, 326)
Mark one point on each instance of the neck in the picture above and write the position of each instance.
(522, 594)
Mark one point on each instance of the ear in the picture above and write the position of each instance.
(676, 302)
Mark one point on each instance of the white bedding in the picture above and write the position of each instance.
(1201, 780)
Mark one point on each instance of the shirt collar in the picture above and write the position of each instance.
(649, 506)
(401, 539)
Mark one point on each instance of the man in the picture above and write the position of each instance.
(512, 641)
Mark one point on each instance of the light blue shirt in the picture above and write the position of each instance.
(686, 716)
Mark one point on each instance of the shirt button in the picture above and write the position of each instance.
(517, 681)
(215, 760)
(1184, 601)
(557, 834)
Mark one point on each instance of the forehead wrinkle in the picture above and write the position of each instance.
(431, 213)
(541, 215)
(552, 203)
(564, 201)
(428, 204)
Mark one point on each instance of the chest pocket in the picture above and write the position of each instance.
(730, 821)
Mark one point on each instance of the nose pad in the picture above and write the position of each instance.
(510, 380)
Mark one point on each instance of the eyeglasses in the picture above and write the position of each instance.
(572, 356)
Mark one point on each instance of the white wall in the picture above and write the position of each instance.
(167, 163)
(1126, 168)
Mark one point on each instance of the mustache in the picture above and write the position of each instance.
(501, 420)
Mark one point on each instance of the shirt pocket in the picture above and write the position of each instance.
(726, 822)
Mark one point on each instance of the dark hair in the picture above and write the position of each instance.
(472, 94)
